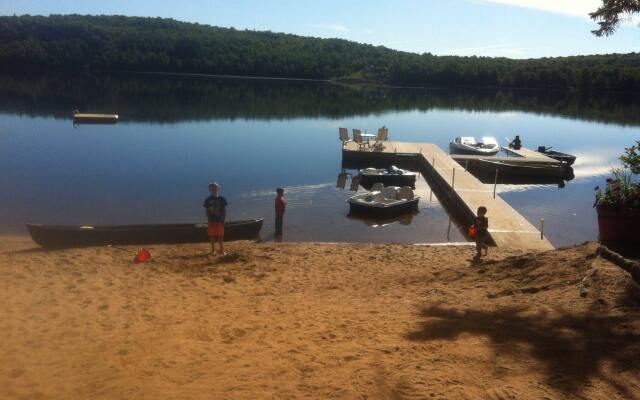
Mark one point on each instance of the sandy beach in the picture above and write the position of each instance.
(307, 320)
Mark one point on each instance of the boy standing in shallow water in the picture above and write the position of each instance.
(281, 204)
(216, 210)
(482, 232)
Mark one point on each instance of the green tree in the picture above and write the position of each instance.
(611, 13)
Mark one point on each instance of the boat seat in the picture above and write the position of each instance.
(405, 193)
(374, 198)
(390, 192)
(377, 187)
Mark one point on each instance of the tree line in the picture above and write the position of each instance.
(172, 99)
(72, 43)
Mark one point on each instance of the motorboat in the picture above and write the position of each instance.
(556, 155)
(391, 176)
(65, 236)
(488, 146)
(518, 169)
(384, 202)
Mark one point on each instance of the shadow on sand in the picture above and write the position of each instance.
(570, 348)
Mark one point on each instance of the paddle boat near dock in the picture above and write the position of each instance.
(488, 146)
(392, 176)
(61, 237)
(556, 155)
(83, 118)
(384, 202)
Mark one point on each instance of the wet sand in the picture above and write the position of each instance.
(316, 321)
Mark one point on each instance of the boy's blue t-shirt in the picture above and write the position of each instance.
(216, 206)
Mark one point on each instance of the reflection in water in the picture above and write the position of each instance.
(342, 180)
(378, 223)
(504, 178)
(591, 164)
(164, 99)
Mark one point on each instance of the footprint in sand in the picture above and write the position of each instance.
(503, 393)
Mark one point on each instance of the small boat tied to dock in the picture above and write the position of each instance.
(88, 118)
(487, 146)
(566, 158)
(384, 202)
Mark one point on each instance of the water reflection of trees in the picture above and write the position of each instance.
(174, 99)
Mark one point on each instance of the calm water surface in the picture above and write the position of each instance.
(177, 135)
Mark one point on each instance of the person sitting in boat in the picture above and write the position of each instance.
(516, 144)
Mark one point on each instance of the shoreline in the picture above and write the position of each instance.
(312, 320)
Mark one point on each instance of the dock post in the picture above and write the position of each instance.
(453, 179)
(495, 183)
(541, 228)
(466, 165)
(434, 163)
(430, 195)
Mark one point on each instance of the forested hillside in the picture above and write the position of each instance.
(74, 43)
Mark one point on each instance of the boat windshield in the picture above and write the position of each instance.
(489, 140)
(470, 140)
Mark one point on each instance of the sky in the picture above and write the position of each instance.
(496, 28)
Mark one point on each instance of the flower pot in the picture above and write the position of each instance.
(618, 225)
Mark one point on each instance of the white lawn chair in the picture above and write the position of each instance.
(344, 136)
(357, 137)
(383, 136)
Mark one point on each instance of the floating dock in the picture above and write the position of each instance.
(82, 118)
(462, 192)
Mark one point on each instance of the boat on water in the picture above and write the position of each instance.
(83, 118)
(519, 169)
(58, 237)
(488, 146)
(563, 157)
(384, 202)
(391, 176)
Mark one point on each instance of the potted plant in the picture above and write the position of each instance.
(618, 205)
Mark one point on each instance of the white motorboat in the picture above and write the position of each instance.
(384, 202)
(488, 146)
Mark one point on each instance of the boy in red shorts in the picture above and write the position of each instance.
(216, 208)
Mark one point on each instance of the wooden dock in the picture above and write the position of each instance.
(463, 191)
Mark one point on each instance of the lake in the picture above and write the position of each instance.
(179, 133)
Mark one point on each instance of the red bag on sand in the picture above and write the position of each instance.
(142, 257)
(472, 231)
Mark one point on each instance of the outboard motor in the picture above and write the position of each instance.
(542, 149)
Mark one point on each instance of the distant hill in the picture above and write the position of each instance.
(73, 43)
